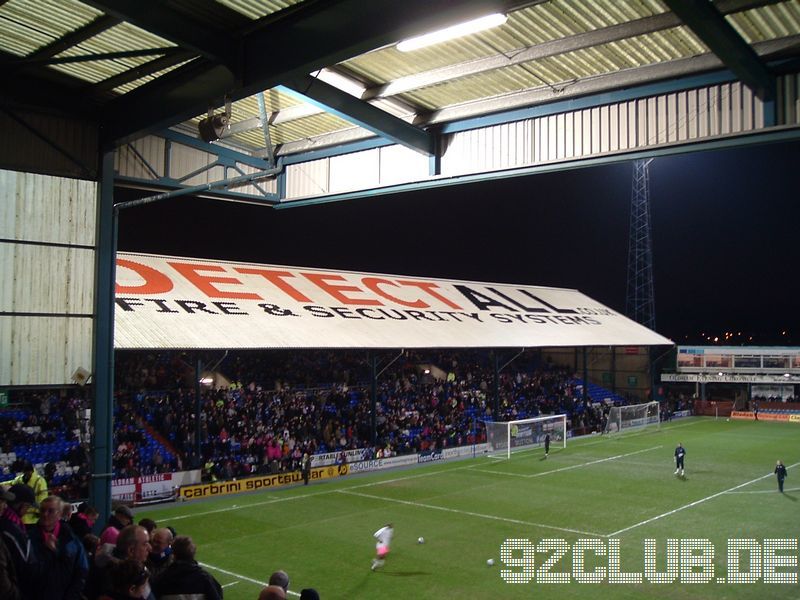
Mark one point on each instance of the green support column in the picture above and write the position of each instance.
(103, 342)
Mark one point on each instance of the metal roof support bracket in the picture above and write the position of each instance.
(335, 101)
(708, 24)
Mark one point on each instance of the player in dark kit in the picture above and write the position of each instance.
(680, 452)
(780, 471)
(546, 445)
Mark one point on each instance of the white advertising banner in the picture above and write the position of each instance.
(150, 487)
(384, 463)
(171, 302)
(330, 458)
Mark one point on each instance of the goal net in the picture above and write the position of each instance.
(505, 437)
(633, 416)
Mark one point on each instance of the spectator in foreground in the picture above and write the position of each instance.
(129, 579)
(82, 522)
(272, 592)
(280, 578)
(9, 588)
(122, 517)
(184, 577)
(160, 556)
(59, 553)
(133, 543)
(150, 525)
(15, 538)
(37, 483)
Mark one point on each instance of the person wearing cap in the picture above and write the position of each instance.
(122, 517)
(59, 553)
(15, 538)
(9, 586)
(37, 483)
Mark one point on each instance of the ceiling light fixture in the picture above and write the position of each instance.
(452, 32)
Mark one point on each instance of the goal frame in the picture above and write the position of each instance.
(618, 421)
(560, 418)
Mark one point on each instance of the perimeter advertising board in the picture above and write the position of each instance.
(251, 484)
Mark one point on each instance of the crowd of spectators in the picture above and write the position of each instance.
(280, 405)
(276, 406)
(58, 556)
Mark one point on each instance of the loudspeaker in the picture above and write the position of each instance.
(212, 128)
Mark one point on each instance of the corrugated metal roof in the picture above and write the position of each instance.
(27, 26)
(121, 37)
(255, 9)
(768, 22)
(582, 39)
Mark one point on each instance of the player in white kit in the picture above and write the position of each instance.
(384, 537)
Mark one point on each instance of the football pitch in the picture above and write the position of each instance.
(598, 495)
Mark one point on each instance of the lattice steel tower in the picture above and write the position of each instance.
(640, 300)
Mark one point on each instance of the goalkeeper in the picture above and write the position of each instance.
(680, 452)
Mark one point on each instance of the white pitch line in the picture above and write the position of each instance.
(242, 577)
(612, 437)
(469, 513)
(695, 503)
(309, 495)
(568, 468)
(243, 506)
(767, 491)
(229, 584)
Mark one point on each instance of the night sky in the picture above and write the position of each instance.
(726, 241)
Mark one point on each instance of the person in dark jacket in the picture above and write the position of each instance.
(780, 471)
(130, 580)
(59, 552)
(9, 587)
(184, 575)
(160, 556)
(15, 539)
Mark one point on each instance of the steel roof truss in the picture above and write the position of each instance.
(363, 114)
(722, 39)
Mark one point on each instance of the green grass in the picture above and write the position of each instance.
(598, 487)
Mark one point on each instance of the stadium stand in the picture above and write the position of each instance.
(280, 405)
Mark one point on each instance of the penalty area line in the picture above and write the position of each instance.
(567, 468)
(470, 513)
(691, 504)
